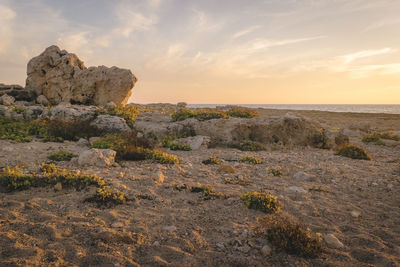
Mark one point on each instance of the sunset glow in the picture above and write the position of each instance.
(228, 51)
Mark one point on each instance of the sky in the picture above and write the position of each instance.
(219, 51)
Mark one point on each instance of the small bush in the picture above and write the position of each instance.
(19, 110)
(58, 130)
(163, 157)
(261, 201)
(251, 160)
(240, 112)
(249, 146)
(129, 113)
(292, 237)
(204, 115)
(212, 160)
(15, 130)
(106, 197)
(276, 171)
(373, 138)
(15, 179)
(183, 114)
(61, 156)
(168, 142)
(352, 151)
(47, 168)
(207, 191)
(127, 146)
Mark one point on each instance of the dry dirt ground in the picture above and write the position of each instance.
(165, 224)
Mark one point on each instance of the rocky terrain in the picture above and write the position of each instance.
(163, 185)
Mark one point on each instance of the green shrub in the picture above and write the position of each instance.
(390, 136)
(249, 146)
(204, 115)
(373, 138)
(294, 238)
(19, 110)
(163, 157)
(15, 179)
(352, 151)
(276, 171)
(251, 160)
(183, 114)
(58, 130)
(168, 142)
(15, 130)
(61, 156)
(261, 201)
(207, 191)
(127, 146)
(240, 112)
(212, 160)
(107, 197)
(47, 168)
(129, 113)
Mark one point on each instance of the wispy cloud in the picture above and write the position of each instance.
(381, 24)
(366, 53)
(245, 31)
(7, 15)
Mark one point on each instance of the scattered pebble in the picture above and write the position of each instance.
(227, 169)
(220, 245)
(58, 186)
(295, 189)
(332, 241)
(169, 228)
(355, 214)
(266, 250)
(117, 225)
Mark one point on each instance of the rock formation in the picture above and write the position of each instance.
(62, 77)
(17, 91)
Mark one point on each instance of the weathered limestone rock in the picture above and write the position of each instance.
(332, 241)
(97, 157)
(195, 142)
(286, 131)
(42, 100)
(62, 77)
(7, 100)
(110, 124)
(65, 111)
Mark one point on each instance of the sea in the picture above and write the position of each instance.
(389, 109)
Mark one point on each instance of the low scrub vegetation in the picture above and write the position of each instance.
(239, 112)
(261, 201)
(248, 146)
(212, 160)
(276, 171)
(207, 191)
(16, 179)
(61, 156)
(209, 113)
(168, 142)
(353, 151)
(131, 148)
(47, 130)
(292, 237)
(376, 138)
(251, 160)
(129, 113)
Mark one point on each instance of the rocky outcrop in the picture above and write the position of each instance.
(62, 77)
(288, 130)
(7, 100)
(68, 112)
(195, 142)
(18, 92)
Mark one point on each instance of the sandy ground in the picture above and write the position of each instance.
(164, 226)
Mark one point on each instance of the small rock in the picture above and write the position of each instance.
(83, 142)
(332, 241)
(58, 187)
(266, 250)
(156, 243)
(295, 189)
(220, 245)
(181, 105)
(355, 214)
(117, 225)
(390, 186)
(7, 100)
(110, 124)
(169, 228)
(244, 249)
(303, 176)
(227, 169)
(110, 105)
(42, 100)
(160, 177)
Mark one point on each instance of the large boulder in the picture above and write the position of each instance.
(68, 112)
(110, 124)
(97, 157)
(62, 77)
